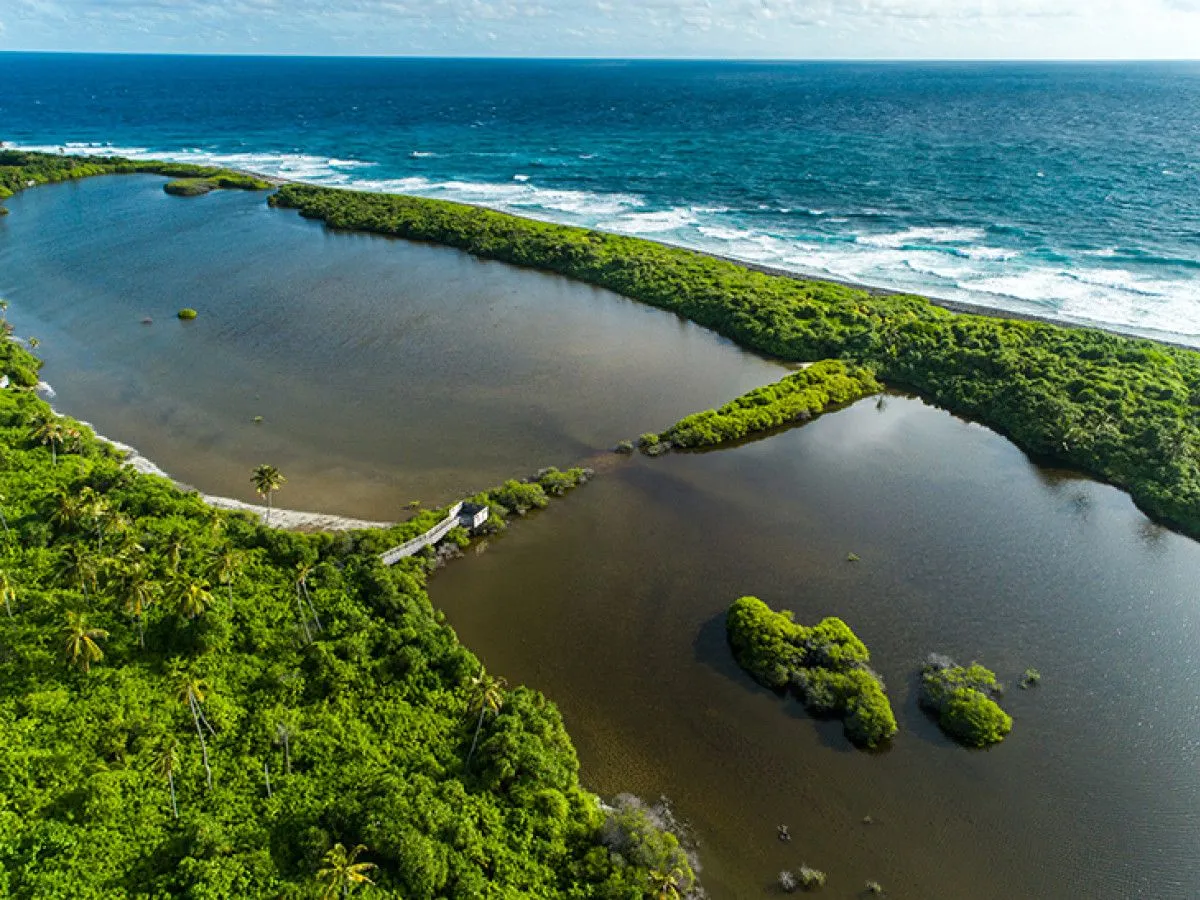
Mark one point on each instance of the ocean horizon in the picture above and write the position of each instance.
(1065, 190)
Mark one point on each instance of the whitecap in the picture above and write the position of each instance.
(521, 178)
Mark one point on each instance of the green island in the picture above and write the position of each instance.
(195, 705)
(795, 398)
(825, 665)
(962, 699)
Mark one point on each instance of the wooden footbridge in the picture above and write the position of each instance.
(469, 515)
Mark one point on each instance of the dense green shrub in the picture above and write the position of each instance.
(556, 483)
(825, 665)
(350, 694)
(518, 497)
(962, 699)
(795, 398)
(189, 187)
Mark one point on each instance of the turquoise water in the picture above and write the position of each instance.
(1065, 190)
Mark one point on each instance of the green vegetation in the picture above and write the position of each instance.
(195, 705)
(187, 314)
(20, 169)
(1122, 409)
(962, 699)
(826, 665)
(221, 180)
(1031, 678)
(188, 187)
(810, 879)
(796, 398)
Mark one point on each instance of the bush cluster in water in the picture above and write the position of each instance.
(962, 698)
(826, 665)
(1124, 409)
(795, 398)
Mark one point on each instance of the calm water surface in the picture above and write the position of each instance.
(385, 371)
(613, 603)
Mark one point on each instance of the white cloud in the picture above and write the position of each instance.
(791, 28)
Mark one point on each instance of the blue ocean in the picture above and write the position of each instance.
(1064, 190)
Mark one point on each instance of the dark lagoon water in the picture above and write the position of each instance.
(387, 371)
(613, 602)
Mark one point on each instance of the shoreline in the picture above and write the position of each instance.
(959, 307)
(281, 519)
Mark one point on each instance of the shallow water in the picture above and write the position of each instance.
(613, 602)
(385, 371)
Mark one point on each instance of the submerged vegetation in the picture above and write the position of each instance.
(962, 699)
(1123, 409)
(796, 398)
(192, 704)
(826, 666)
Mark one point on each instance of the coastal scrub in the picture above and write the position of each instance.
(826, 665)
(795, 398)
(962, 699)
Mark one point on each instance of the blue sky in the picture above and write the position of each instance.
(775, 29)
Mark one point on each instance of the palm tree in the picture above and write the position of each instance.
(82, 648)
(226, 567)
(80, 566)
(7, 592)
(267, 480)
(283, 735)
(302, 572)
(33, 343)
(193, 600)
(342, 874)
(68, 510)
(166, 763)
(191, 690)
(666, 885)
(488, 693)
(140, 594)
(50, 430)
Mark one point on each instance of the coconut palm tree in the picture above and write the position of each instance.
(166, 764)
(666, 885)
(302, 572)
(488, 693)
(140, 594)
(50, 430)
(342, 874)
(267, 480)
(7, 592)
(68, 511)
(192, 690)
(80, 566)
(283, 736)
(226, 566)
(193, 599)
(82, 647)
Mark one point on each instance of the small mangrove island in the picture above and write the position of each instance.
(825, 665)
(962, 698)
(796, 398)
